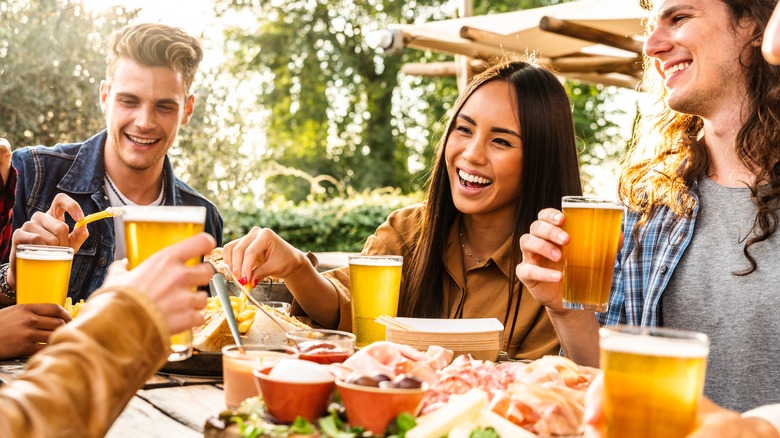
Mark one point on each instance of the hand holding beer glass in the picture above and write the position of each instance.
(653, 380)
(593, 226)
(149, 229)
(374, 285)
(42, 273)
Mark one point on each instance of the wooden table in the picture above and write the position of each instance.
(167, 406)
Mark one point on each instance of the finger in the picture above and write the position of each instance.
(62, 204)
(77, 238)
(548, 231)
(552, 216)
(116, 268)
(531, 246)
(38, 236)
(196, 246)
(530, 275)
(48, 325)
(49, 311)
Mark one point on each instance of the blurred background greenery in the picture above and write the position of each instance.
(299, 125)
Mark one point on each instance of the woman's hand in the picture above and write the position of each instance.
(28, 327)
(541, 270)
(262, 253)
(169, 282)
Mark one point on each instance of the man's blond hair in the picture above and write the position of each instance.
(155, 45)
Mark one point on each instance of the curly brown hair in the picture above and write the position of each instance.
(677, 157)
(155, 45)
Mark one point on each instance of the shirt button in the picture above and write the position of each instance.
(664, 269)
(102, 262)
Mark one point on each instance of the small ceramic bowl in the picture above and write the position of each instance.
(287, 400)
(375, 408)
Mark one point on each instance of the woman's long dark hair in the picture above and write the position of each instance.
(549, 170)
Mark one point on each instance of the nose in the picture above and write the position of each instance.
(145, 118)
(657, 42)
(474, 152)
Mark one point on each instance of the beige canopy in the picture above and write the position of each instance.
(591, 40)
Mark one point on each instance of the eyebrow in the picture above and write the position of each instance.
(157, 102)
(666, 13)
(499, 130)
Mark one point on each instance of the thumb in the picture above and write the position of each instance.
(77, 238)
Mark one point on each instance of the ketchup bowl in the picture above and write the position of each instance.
(322, 345)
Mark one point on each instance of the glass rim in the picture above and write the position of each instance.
(232, 350)
(579, 199)
(164, 213)
(665, 333)
(298, 335)
(35, 247)
(375, 257)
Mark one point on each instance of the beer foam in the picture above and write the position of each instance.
(654, 346)
(181, 214)
(605, 205)
(375, 261)
(40, 254)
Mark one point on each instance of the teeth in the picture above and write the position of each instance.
(473, 178)
(677, 67)
(141, 140)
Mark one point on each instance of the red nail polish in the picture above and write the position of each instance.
(254, 282)
(242, 280)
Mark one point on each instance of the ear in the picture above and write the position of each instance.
(105, 90)
(189, 106)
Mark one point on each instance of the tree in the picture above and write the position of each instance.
(51, 63)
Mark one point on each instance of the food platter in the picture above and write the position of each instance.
(201, 364)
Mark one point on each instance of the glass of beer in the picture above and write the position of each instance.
(149, 229)
(42, 273)
(653, 380)
(374, 285)
(593, 226)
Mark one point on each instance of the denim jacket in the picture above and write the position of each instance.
(77, 170)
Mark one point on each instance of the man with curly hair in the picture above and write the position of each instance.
(702, 191)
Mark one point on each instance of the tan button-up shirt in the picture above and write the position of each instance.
(479, 292)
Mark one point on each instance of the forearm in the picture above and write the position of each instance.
(82, 381)
(315, 294)
(765, 420)
(578, 332)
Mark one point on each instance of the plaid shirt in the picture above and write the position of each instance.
(645, 264)
(7, 199)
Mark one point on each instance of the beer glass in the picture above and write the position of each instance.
(149, 229)
(42, 273)
(653, 380)
(593, 226)
(374, 285)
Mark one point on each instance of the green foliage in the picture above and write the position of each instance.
(338, 224)
(51, 63)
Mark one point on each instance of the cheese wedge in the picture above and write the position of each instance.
(459, 409)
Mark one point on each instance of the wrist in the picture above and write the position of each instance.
(8, 293)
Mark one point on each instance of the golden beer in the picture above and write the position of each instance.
(653, 381)
(593, 226)
(42, 274)
(149, 229)
(374, 285)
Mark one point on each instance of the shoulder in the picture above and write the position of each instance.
(407, 217)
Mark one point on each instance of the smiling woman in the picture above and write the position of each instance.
(508, 152)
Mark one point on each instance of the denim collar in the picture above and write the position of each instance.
(85, 175)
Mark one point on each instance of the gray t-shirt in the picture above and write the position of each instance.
(736, 312)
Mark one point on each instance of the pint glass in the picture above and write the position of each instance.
(653, 380)
(374, 285)
(593, 226)
(42, 273)
(149, 229)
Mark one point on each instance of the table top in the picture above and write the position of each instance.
(168, 405)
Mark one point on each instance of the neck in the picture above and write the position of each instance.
(725, 167)
(140, 187)
(483, 237)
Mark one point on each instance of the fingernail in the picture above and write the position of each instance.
(556, 254)
(557, 217)
(243, 281)
(555, 276)
(561, 237)
(254, 282)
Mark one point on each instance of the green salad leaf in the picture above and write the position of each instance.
(487, 432)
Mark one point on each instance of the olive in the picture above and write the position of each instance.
(358, 379)
(380, 377)
(407, 381)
